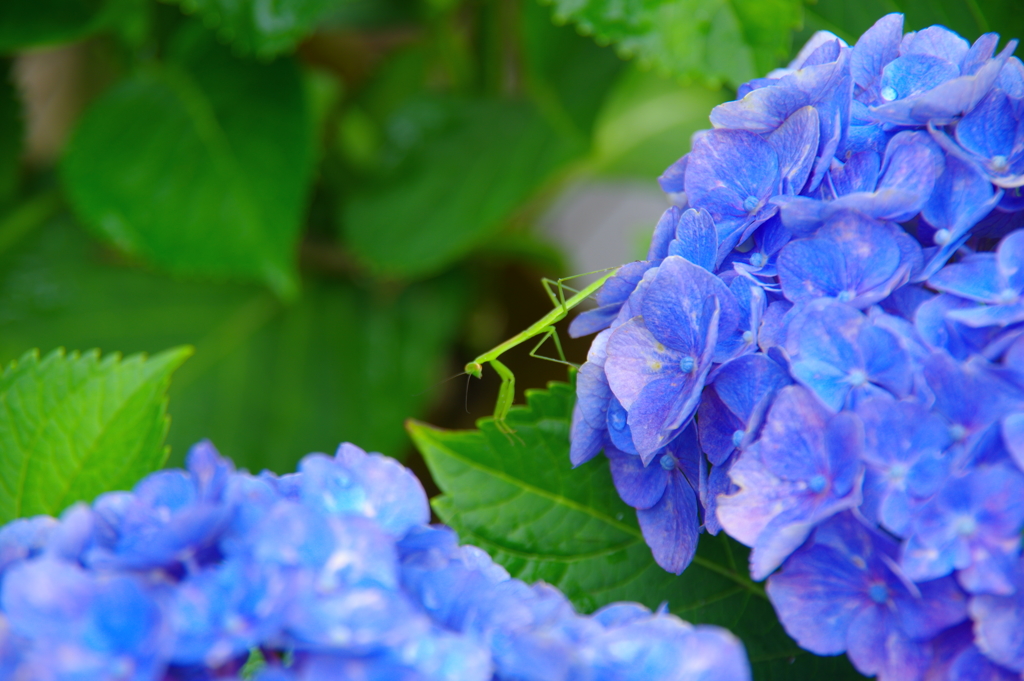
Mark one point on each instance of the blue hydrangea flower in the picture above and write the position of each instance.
(843, 358)
(852, 259)
(999, 623)
(805, 467)
(657, 361)
(665, 496)
(842, 592)
(332, 568)
(973, 525)
(903, 451)
(995, 279)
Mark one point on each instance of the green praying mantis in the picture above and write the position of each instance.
(544, 328)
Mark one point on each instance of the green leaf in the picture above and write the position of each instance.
(519, 499)
(11, 134)
(75, 426)
(258, 27)
(200, 165)
(269, 382)
(969, 18)
(714, 41)
(30, 23)
(462, 186)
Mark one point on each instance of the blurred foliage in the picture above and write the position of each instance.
(335, 201)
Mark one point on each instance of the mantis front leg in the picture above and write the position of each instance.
(506, 396)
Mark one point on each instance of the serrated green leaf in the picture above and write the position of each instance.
(74, 426)
(458, 191)
(969, 18)
(30, 23)
(257, 27)
(11, 134)
(519, 499)
(200, 165)
(714, 41)
(269, 382)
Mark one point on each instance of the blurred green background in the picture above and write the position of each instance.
(340, 202)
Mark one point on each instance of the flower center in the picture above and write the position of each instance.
(857, 377)
(942, 237)
(957, 432)
(758, 260)
(667, 462)
(879, 593)
(966, 525)
(737, 438)
(748, 337)
(1000, 163)
(686, 364)
(845, 296)
(750, 203)
(1007, 296)
(888, 93)
(817, 483)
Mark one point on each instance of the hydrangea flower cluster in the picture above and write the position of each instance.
(823, 354)
(330, 572)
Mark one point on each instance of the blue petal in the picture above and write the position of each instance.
(746, 384)
(664, 232)
(859, 173)
(1010, 262)
(670, 528)
(913, 162)
(938, 41)
(639, 486)
(1013, 436)
(796, 143)
(731, 174)
(975, 278)
(696, 239)
(716, 426)
(676, 306)
(878, 46)
(991, 128)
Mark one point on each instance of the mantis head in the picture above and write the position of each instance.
(474, 369)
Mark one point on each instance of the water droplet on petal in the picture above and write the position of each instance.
(888, 94)
(737, 438)
(845, 296)
(942, 237)
(1000, 163)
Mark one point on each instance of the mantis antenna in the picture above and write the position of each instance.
(544, 328)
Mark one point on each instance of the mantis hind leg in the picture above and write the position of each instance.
(506, 395)
(551, 333)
